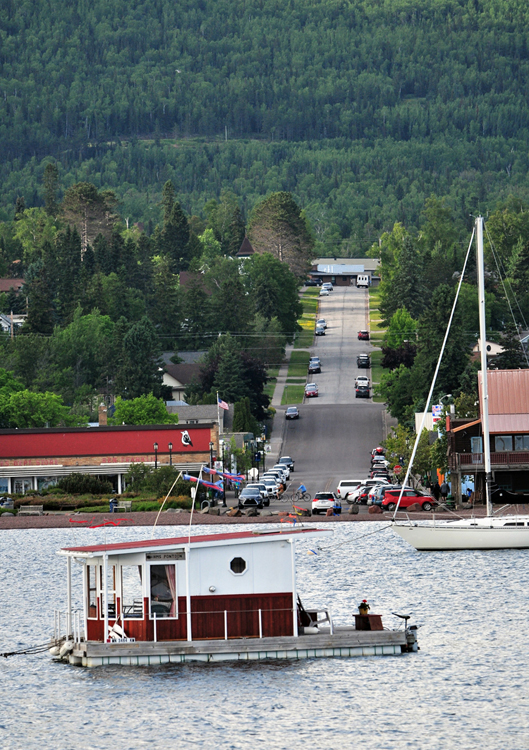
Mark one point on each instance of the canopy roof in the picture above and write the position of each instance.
(133, 546)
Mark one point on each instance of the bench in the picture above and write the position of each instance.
(31, 510)
(125, 505)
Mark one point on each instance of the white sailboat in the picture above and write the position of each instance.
(490, 531)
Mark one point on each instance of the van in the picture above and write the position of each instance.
(348, 485)
(362, 280)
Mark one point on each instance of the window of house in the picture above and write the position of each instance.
(238, 565)
(503, 443)
(521, 442)
(163, 596)
(476, 445)
(131, 591)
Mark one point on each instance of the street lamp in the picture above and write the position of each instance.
(170, 446)
(155, 456)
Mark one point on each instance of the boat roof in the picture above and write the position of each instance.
(203, 540)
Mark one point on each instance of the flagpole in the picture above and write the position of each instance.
(218, 415)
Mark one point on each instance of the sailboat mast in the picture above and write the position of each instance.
(484, 384)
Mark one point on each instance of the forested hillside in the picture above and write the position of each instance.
(361, 109)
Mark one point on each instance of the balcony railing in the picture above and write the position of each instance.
(503, 458)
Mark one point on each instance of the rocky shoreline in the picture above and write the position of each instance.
(168, 518)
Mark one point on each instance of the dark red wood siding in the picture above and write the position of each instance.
(207, 619)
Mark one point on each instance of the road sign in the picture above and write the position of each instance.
(397, 469)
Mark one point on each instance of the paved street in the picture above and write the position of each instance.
(335, 432)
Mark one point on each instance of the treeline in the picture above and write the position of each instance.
(420, 272)
(361, 110)
(350, 192)
(103, 301)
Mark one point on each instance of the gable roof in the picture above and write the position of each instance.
(245, 249)
(7, 284)
(183, 373)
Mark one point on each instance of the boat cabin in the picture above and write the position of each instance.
(205, 598)
(235, 585)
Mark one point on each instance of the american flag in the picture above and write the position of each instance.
(221, 403)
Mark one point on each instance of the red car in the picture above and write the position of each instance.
(363, 335)
(311, 390)
(409, 497)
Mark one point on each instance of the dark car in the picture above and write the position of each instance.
(314, 367)
(409, 497)
(288, 461)
(292, 413)
(250, 498)
(313, 282)
(362, 391)
(363, 360)
(363, 335)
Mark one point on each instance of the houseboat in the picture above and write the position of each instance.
(215, 597)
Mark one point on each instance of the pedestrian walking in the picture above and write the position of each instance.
(436, 491)
(445, 489)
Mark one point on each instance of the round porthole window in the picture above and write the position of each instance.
(238, 565)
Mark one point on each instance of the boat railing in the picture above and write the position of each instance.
(62, 623)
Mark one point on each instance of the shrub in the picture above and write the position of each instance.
(82, 484)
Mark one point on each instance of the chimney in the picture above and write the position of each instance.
(102, 415)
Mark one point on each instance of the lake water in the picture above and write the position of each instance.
(468, 687)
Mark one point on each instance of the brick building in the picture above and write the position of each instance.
(32, 460)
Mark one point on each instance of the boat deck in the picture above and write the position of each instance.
(344, 642)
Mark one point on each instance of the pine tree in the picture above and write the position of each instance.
(168, 200)
(175, 239)
(513, 356)
(140, 368)
(51, 182)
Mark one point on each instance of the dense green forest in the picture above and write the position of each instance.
(361, 109)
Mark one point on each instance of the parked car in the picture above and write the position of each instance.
(263, 489)
(250, 498)
(322, 501)
(378, 451)
(376, 494)
(363, 335)
(313, 282)
(362, 380)
(314, 367)
(352, 497)
(272, 486)
(379, 474)
(288, 461)
(362, 391)
(322, 322)
(377, 460)
(409, 497)
(363, 360)
(345, 486)
(324, 292)
(292, 413)
(320, 331)
(282, 467)
(327, 285)
(311, 390)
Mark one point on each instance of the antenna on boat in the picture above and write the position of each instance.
(484, 406)
(165, 500)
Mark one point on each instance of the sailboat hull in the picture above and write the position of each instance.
(456, 536)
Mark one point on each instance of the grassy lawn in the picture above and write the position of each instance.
(269, 388)
(310, 303)
(296, 380)
(299, 363)
(293, 394)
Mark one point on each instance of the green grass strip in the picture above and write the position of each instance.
(293, 394)
(299, 363)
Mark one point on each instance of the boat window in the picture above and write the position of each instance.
(238, 565)
(521, 442)
(514, 523)
(131, 591)
(503, 443)
(91, 571)
(111, 590)
(163, 600)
